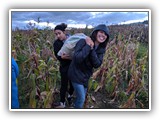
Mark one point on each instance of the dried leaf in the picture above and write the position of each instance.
(93, 98)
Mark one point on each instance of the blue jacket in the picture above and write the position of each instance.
(84, 61)
(14, 92)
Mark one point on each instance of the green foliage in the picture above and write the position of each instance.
(142, 99)
(142, 51)
(122, 97)
(126, 70)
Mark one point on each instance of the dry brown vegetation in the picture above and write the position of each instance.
(121, 82)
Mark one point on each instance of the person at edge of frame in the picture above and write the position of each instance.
(14, 87)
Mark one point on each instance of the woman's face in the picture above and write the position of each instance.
(101, 36)
(60, 35)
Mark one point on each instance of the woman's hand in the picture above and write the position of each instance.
(65, 56)
(89, 42)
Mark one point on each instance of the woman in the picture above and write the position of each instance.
(88, 55)
(65, 61)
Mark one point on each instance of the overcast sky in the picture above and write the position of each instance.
(78, 19)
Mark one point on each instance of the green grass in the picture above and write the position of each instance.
(143, 49)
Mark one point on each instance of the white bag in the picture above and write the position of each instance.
(70, 43)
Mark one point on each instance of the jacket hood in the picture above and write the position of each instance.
(102, 27)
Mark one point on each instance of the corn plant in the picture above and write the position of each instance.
(122, 79)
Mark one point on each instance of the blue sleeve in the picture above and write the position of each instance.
(14, 92)
(82, 50)
(15, 66)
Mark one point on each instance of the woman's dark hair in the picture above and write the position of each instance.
(93, 37)
(61, 27)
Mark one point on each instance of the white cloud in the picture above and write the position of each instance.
(98, 14)
(71, 21)
(77, 25)
(41, 24)
(30, 21)
(134, 21)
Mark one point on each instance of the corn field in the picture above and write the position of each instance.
(122, 81)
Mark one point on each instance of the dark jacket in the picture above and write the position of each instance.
(64, 64)
(85, 59)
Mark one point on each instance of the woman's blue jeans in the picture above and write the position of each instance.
(80, 92)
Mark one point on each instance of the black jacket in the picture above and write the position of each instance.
(64, 64)
(84, 61)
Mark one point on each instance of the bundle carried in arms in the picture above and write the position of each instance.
(70, 43)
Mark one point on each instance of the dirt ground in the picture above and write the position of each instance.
(99, 100)
(94, 100)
